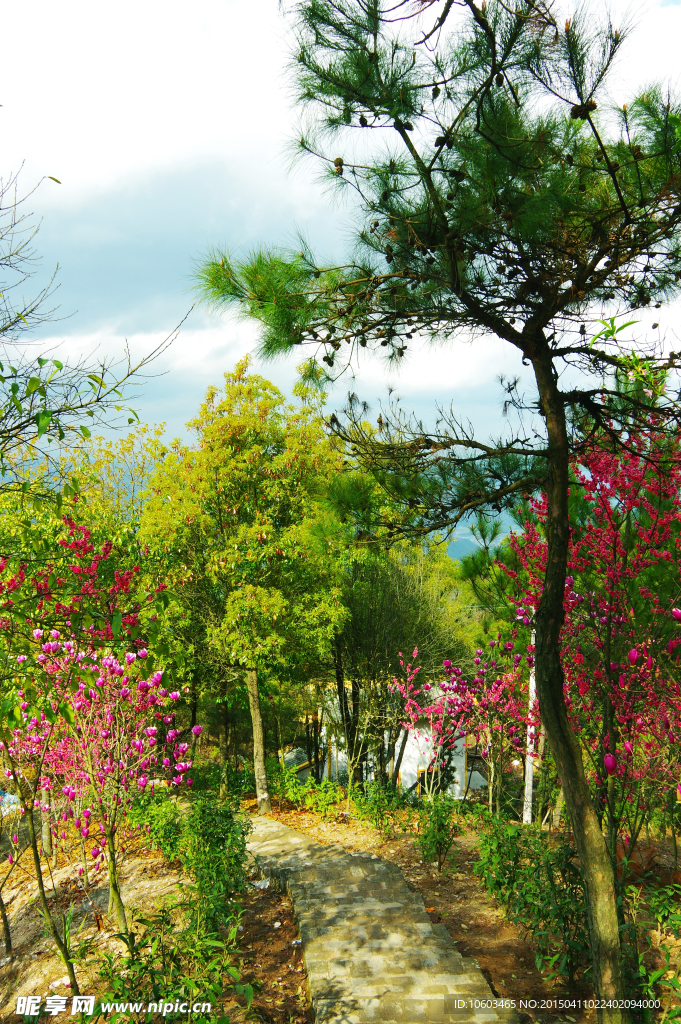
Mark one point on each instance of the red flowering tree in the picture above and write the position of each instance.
(492, 706)
(620, 642)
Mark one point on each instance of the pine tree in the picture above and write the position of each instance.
(494, 194)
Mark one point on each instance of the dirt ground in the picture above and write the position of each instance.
(266, 953)
(458, 899)
(271, 958)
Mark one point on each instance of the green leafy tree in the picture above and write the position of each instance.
(396, 598)
(233, 511)
(493, 195)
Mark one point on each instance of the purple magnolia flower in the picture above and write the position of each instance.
(633, 656)
(21, 658)
(125, 692)
(85, 831)
(197, 730)
(143, 653)
(37, 633)
(610, 762)
(130, 657)
(174, 695)
(676, 614)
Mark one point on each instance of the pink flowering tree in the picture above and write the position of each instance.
(82, 716)
(120, 740)
(492, 706)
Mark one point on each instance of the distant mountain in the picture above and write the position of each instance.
(458, 549)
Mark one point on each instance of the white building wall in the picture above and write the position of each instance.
(417, 756)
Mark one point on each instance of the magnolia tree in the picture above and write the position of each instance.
(84, 725)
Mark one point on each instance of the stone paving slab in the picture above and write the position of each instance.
(370, 949)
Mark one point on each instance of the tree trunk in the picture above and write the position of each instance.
(5, 928)
(398, 763)
(46, 820)
(308, 746)
(315, 733)
(47, 914)
(116, 904)
(558, 809)
(261, 788)
(595, 863)
(223, 726)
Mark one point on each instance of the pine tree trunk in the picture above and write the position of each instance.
(261, 788)
(595, 863)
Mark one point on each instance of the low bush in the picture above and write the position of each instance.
(543, 892)
(167, 961)
(438, 828)
(378, 805)
(212, 849)
(160, 817)
(209, 838)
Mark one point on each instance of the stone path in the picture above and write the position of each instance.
(371, 951)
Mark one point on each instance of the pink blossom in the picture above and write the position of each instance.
(197, 730)
(174, 695)
(610, 762)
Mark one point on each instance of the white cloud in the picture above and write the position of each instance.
(127, 104)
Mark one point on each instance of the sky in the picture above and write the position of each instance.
(167, 125)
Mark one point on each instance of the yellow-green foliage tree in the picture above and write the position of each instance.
(231, 516)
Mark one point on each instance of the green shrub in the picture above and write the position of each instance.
(206, 778)
(377, 805)
(321, 796)
(163, 822)
(167, 961)
(213, 851)
(438, 828)
(542, 890)
(209, 838)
